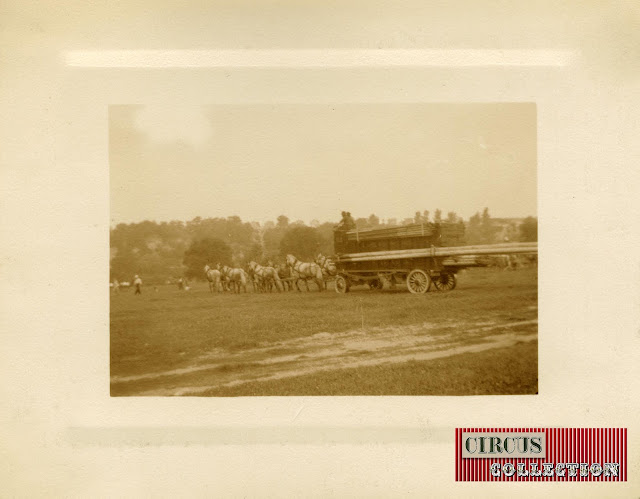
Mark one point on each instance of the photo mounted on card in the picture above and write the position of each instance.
(260, 249)
(323, 249)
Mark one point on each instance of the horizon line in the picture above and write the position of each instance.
(292, 221)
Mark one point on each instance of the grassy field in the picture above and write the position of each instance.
(507, 371)
(366, 342)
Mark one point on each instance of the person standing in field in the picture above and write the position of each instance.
(116, 286)
(137, 282)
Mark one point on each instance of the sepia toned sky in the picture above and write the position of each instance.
(262, 141)
(311, 161)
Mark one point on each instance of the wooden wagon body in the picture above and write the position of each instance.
(421, 255)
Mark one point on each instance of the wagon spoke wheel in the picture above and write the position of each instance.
(445, 282)
(418, 281)
(376, 284)
(342, 284)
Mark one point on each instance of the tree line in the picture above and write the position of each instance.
(168, 250)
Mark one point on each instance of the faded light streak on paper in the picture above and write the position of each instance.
(307, 58)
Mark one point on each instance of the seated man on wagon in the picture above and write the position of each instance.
(350, 222)
(347, 222)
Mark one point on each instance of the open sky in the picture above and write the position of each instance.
(311, 161)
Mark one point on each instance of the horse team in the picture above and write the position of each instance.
(282, 277)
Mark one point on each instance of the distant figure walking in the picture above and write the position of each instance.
(137, 282)
(116, 286)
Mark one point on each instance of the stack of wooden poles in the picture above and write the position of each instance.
(484, 249)
(411, 230)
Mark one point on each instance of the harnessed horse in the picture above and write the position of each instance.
(236, 277)
(306, 271)
(266, 275)
(214, 278)
(327, 265)
(285, 274)
(255, 281)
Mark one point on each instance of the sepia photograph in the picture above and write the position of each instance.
(391, 249)
(320, 249)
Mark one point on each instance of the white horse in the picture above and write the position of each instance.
(214, 278)
(327, 265)
(306, 271)
(266, 276)
(236, 277)
(255, 280)
(285, 274)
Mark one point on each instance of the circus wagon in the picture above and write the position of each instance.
(422, 255)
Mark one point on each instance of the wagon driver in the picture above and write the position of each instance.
(350, 223)
(347, 222)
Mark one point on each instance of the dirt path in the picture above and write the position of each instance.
(328, 351)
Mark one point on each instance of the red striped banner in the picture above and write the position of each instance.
(570, 455)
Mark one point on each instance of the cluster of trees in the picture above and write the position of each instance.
(296, 238)
(480, 229)
(160, 251)
(528, 230)
(168, 250)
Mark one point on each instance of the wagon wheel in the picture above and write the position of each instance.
(418, 281)
(376, 284)
(342, 284)
(445, 282)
